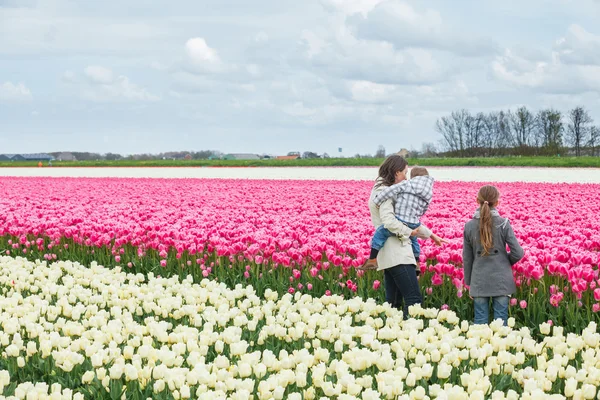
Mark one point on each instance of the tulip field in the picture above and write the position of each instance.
(223, 288)
(73, 331)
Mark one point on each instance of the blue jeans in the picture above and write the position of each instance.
(482, 309)
(382, 234)
(402, 286)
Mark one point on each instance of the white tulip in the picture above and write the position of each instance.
(570, 387)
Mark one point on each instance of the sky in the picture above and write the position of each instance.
(271, 77)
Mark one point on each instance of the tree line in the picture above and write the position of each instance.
(548, 132)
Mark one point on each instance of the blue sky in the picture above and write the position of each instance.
(277, 76)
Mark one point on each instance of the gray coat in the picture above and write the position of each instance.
(490, 275)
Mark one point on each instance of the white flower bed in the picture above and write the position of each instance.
(101, 333)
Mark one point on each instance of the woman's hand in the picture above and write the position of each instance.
(415, 232)
(437, 240)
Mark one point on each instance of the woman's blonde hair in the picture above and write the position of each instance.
(487, 198)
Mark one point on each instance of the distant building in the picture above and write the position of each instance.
(67, 156)
(241, 156)
(288, 157)
(404, 153)
(37, 157)
(27, 157)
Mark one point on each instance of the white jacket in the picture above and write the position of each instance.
(395, 251)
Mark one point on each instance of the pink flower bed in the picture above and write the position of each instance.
(312, 232)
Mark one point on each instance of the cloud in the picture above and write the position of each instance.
(579, 47)
(345, 56)
(568, 69)
(351, 7)
(14, 93)
(201, 57)
(405, 26)
(102, 85)
(99, 75)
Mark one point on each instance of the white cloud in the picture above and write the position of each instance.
(562, 72)
(98, 74)
(351, 7)
(314, 43)
(102, 85)
(261, 37)
(579, 46)
(11, 92)
(351, 58)
(405, 26)
(202, 56)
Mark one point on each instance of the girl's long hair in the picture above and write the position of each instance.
(388, 169)
(487, 198)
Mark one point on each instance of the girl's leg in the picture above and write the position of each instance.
(500, 306)
(404, 278)
(482, 310)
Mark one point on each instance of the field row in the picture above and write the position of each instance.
(305, 236)
(105, 333)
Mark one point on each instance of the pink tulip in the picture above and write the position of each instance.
(437, 280)
(513, 301)
(291, 290)
(246, 274)
(596, 307)
(309, 286)
(597, 294)
(275, 228)
(328, 293)
(523, 304)
(376, 284)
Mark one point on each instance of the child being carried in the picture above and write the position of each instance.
(411, 201)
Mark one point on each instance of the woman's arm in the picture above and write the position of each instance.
(390, 222)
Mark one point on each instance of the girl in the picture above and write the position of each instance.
(487, 264)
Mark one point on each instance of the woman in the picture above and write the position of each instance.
(396, 257)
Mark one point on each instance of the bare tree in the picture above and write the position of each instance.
(549, 131)
(594, 140)
(380, 153)
(496, 133)
(522, 124)
(454, 130)
(428, 150)
(474, 132)
(578, 128)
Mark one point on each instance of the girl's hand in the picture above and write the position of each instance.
(438, 240)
